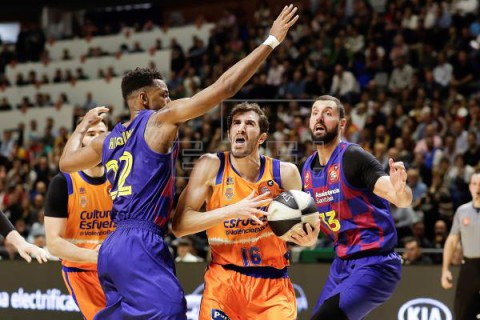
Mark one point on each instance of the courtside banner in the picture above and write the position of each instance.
(35, 292)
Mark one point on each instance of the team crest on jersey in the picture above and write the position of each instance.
(333, 175)
(265, 187)
(308, 180)
(82, 190)
(229, 180)
(83, 201)
(229, 193)
(466, 221)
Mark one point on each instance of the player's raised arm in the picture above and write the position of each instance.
(189, 220)
(74, 156)
(394, 187)
(233, 79)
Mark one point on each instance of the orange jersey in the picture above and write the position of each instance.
(88, 222)
(240, 241)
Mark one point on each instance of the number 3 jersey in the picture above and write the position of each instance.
(143, 181)
(355, 218)
(241, 241)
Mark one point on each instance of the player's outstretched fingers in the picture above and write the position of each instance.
(25, 256)
(261, 212)
(256, 219)
(42, 256)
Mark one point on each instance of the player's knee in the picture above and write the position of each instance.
(330, 310)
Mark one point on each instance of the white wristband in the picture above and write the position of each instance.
(271, 41)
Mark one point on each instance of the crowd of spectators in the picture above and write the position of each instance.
(407, 72)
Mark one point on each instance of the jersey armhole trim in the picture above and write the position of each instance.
(276, 173)
(69, 183)
(219, 177)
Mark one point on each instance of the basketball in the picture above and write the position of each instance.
(290, 210)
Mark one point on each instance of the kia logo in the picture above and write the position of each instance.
(424, 309)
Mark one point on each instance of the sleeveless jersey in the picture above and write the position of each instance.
(88, 222)
(356, 219)
(143, 181)
(240, 241)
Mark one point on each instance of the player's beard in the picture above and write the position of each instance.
(327, 137)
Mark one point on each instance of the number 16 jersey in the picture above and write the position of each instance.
(241, 241)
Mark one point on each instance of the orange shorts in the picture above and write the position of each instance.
(233, 295)
(85, 289)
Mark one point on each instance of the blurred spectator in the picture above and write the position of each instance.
(443, 71)
(441, 234)
(185, 251)
(413, 253)
(89, 102)
(275, 73)
(419, 189)
(343, 84)
(7, 144)
(401, 75)
(137, 48)
(57, 77)
(472, 154)
(5, 105)
(66, 55)
(404, 219)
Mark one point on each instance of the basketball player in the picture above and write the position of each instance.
(247, 277)
(77, 220)
(25, 250)
(350, 188)
(139, 157)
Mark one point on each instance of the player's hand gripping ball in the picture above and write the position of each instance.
(291, 210)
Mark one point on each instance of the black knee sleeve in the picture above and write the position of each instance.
(330, 310)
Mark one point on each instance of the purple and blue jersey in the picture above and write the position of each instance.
(143, 181)
(356, 219)
(135, 267)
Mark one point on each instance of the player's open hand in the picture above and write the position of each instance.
(28, 250)
(284, 21)
(398, 175)
(446, 279)
(305, 237)
(248, 207)
(94, 116)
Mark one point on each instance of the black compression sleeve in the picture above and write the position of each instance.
(5, 225)
(56, 203)
(361, 168)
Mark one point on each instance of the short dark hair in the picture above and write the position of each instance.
(340, 107)
(138, 78)
(409, 239)
(243, 107)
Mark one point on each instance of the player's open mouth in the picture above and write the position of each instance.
(240, 140)
(319, 128)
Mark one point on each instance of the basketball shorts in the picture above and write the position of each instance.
(137, 274)
(362, 284)
(85, 289)
(241, 293)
